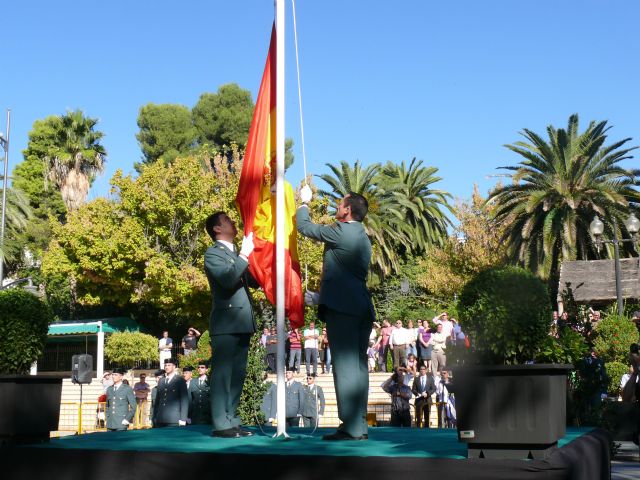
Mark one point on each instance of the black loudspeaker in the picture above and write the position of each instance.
(81, 368)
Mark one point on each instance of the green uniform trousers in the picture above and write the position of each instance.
(228, 370)
(349, 340)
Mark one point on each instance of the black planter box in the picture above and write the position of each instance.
(512, 411)
(30, 407)
(621, 419)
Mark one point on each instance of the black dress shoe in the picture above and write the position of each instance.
(244, 433)
(340, 435)
(227, 433)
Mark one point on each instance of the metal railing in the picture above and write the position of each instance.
(87, 417)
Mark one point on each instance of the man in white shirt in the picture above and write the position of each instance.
(447, 325)
(311, 335)
(438, 341)
(165, 344)
(398, 343)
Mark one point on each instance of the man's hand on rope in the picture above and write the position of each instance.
(311, 298)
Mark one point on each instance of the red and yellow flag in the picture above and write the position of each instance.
(258, 207)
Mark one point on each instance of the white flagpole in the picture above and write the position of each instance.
(280, 234)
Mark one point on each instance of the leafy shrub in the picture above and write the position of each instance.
(614, 335)
(570, 347)
(128, 348)
(615, 370)
(506, 313)
(24, 323)
(254, 385)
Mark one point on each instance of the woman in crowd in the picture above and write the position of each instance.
(424, 349)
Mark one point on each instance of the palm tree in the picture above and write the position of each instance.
(405, 214)
(557, 189)
(76, 158)
(361, 180)
(415, 208)
(346, 179)
(17, 214)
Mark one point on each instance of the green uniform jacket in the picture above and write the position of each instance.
(232, 311)
(154, 396)
(200, 404)
(313, 397)
(121, 405)
(344, 274)
(172, 401)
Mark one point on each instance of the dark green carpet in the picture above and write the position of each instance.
(383, 442)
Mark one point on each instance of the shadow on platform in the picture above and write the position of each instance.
(179, 453)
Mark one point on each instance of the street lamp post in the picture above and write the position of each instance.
(597, 228)
(5, 145)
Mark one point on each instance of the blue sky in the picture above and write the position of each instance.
(447, 82)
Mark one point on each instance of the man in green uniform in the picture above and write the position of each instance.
(121, 403)
(172, 398)
(199, 394)
(314, 402)
(154, 395)
(345, 305)
(231, 323)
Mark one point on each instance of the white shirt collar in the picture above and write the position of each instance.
(229, 245)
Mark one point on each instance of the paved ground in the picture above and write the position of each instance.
(626, 464)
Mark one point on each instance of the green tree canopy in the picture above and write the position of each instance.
(557, 189)
(146, 248)
(127, 348)
(165, 132)
(224, 117)
(474, 246)
(24, 322)
(32, 174)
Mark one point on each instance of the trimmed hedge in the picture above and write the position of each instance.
(24, 323)
(506, 313)
(127, 348)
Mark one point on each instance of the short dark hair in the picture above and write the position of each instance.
(213, 221)
(358, 204)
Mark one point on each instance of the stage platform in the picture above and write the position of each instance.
(390, 453)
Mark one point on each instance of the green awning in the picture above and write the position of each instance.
(90, 326)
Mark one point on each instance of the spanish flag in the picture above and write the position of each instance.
(258, 207)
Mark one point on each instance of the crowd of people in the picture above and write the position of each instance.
(408, 346)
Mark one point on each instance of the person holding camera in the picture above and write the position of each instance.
(400, 396)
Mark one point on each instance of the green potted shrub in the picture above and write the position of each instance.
(128, 348)
(30, 404)
(507, 405)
